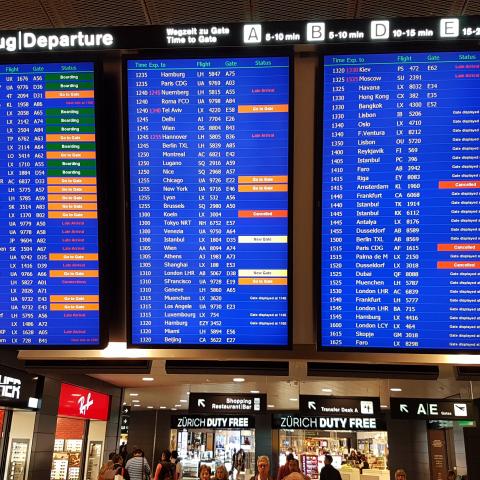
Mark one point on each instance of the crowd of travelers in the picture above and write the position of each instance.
(134, 466)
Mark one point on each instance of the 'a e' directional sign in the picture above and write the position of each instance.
(430, 409)
(344, 406)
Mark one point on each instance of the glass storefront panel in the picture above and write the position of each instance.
(353, 452)
(67, 450)
(233, 448)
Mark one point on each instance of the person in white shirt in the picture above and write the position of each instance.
(178, 465)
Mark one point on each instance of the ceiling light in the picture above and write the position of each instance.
(134, 394)
(182, 400)
(188, 393)
(148, 379)
(327, 390)
(137, 405)
(238, 379)
(124, 403)
(163, 407)
(149, 406)
(135, 401)
(383, 406)
(119, 350)
(178, 405)
(293, 399)
(395, 389)
(173, 409)
(254, 391)
(270, 406)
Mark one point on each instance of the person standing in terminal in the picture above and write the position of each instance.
(263, 468)
(295, 471)
(329, 472)
(178, 465)
(165, 469)
(204, 472)
(239, 465)
(123, 451)
(137, 467)
(221, 473)
(284, 470)
(400, 474)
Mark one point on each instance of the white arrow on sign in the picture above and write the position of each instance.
(311, 405)
(201, 402)
(404, 408)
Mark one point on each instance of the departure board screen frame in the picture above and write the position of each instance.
(366, 49)
(101, 201)
(192, 54)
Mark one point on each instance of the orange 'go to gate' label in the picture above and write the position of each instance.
(263, 108)
(262, 281)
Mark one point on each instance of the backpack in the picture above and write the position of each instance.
(110, 474)
(104, 469)
(113, 473)
(167, 472)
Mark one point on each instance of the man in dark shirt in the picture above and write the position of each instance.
(329, 472)
(283, 471)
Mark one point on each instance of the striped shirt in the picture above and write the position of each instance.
(134, 468)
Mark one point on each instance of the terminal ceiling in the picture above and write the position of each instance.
(171, 390)
(20, 14)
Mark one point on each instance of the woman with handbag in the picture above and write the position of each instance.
(137, 467)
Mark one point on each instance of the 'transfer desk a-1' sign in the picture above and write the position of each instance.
(430, 409)
(224, 403)
(340, 406)
(314, 31)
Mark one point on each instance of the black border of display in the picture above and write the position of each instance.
(102, 175)
(344, 49)
(284, 51)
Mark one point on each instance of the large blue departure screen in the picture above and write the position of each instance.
(400, 208)
(49, 289)
(209, 170)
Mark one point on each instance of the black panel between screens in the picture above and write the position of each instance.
(102, 202)
(370, 48)
(202, 54)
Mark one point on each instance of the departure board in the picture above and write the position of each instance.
(209, 166)
(49, 285)
(400, 202)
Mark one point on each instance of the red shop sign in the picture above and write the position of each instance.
(82, 403)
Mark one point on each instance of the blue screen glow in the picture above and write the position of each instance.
(209, 142)
(400, 201)
(49, 274)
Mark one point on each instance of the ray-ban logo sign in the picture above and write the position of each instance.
(83, 403)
